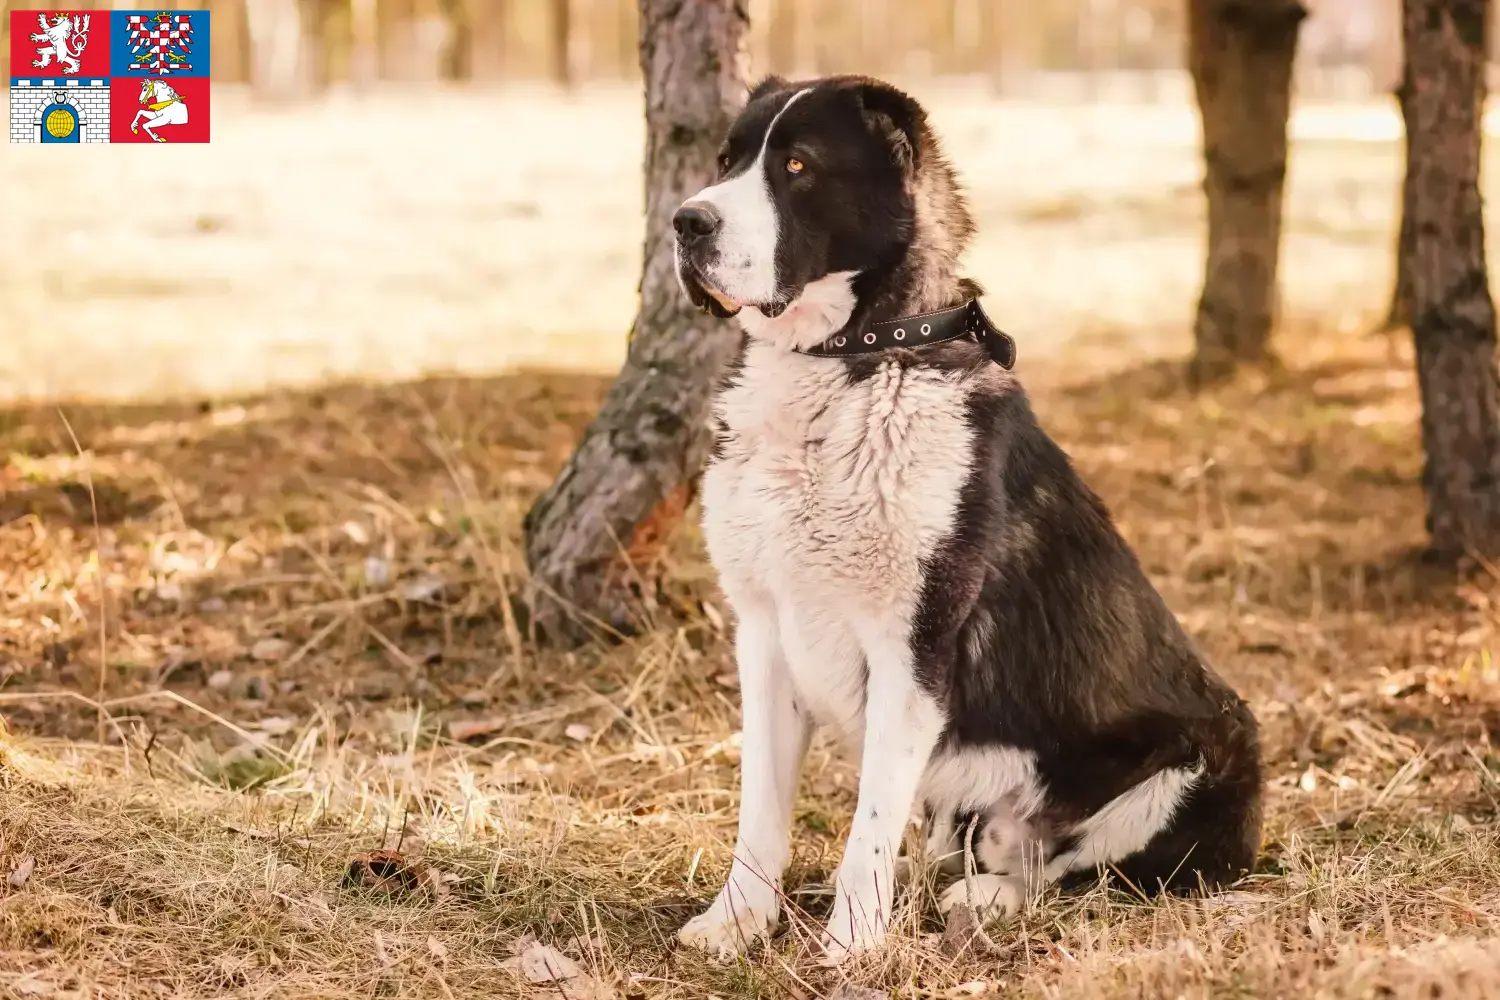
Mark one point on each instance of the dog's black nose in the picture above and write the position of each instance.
(695, 221)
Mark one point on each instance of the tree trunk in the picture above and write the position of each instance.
(594, 539)
(1241, 53)
(279, 49)
(1452, 314)
(1398, 312)
(561, 32)
(364, 44)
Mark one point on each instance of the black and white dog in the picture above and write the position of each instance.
(913, 562)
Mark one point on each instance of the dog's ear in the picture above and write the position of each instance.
(895, 116)
(769, 85)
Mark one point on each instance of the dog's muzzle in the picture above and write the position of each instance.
(697, 225)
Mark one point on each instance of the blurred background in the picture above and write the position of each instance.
(401, 187)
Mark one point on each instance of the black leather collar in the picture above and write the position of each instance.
(967, 320)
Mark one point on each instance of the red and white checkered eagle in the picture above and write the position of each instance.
(160, 43)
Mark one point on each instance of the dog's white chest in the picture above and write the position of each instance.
(825, 502)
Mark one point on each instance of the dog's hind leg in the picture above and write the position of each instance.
(775, 736)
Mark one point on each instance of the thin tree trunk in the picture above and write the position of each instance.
(561, 28)
(279, 44)
(1241, 53)
(1452, 314)
(458, 53)
(364, 44)
(594, 539)
(1398, 312)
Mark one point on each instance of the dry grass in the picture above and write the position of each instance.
(288, 611)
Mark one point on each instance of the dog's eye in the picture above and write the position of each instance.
(723, 164)
(795, 166)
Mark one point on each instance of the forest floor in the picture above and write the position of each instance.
(245, 643)
(248, 640)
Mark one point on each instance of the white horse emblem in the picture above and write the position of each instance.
(62, 38)
(163, 107)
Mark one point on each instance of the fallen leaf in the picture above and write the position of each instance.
(30, 986)
(21, 872)
(848, 992)
(578, 732)
(423, 588)
(386, 871)
(1226, 900)
(380, 953)
(584, 945)
(960, 932)
(520, 944)
(220, 680)
(463, 730)
(267, 650)
(276, 725)
(436, 947)
(377, 572)
(542, 963)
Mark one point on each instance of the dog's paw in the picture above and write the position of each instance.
(725, 932)
(993, 895)
(839, 946)
(857, 925)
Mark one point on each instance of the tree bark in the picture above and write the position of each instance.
(594, 539)
(364, 44)
(280, 45)
(1452, 313)
(1398, 312)
(1240, 53)
(561, 38)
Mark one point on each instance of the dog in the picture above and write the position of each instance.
(914, 563)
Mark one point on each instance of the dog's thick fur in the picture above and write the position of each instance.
(913, 562)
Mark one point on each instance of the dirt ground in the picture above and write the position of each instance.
(247, 640)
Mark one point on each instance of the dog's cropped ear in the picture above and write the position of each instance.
(769, 85)
(895, 116)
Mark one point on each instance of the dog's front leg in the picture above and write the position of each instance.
(902, 726)
(774, 740)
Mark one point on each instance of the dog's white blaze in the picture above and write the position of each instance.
(823, 307)
(749, 230)
(1127, 822)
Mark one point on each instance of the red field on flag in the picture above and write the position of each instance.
(69, 43)
(161, 110)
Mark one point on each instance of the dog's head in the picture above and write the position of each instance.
(813, 179)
